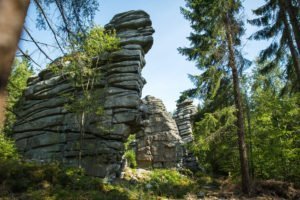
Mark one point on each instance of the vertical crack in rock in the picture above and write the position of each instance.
(45, 131)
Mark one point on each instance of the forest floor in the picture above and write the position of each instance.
(30, 181)
(206, 187)
(261, 190)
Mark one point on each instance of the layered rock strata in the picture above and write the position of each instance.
(184, 117)
(158, 143)
(46, 131)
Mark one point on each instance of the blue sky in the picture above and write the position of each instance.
(166, 70)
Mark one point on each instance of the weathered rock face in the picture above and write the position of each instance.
(184, 119)
(45, 130)
(158, 143)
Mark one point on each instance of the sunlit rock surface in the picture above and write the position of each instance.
(46, 131)
(159, 142)
(184, 117)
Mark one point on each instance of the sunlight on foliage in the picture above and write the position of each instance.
(17, 83)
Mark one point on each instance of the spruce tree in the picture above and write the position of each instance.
(275, 19)
(215, 42)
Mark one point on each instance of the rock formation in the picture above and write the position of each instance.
(184, 119)
(46, 131)
(158, 143)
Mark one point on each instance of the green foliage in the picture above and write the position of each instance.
(215, 142)
(99, 41)
(275, 136)
(170, 183)
(17, 83)
(209, 46)
(81, 69)
(53, 181)
(130, 154)
(7, 149)
(131, 158)
(273, 21)
(71, 17)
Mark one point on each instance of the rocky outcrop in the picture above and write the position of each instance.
(158, 143)
(184, 116)
(184, 119)
(46, 131)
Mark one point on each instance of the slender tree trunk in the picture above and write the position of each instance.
(82, 125)
(12, 17)
(239, 113)
(251, 166)
(287, 5)
(295, 54)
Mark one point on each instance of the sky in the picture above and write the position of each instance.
(166, 70)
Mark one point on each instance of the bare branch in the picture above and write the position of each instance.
(29, 57)
(61, 10)
(37, 45)
(51, 28)
(42, 43)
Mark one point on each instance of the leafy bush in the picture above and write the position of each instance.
(7, 148)
(130, 154)
(170, 183)
(131, 158)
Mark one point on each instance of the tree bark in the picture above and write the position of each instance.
(239, 113)
(250, 150)
(294, 53)
(12, 17)
(82, 131)
(287, 5)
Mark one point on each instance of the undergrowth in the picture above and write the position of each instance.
(29, 180)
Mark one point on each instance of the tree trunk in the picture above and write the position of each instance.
(295, 55)
(239, 113)
(251, 166)
(12, 17)
(82, 125)
(287, 5)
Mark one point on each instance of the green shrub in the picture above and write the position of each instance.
(130, 154)
(7, 148)
(170, 183)
(131, 158)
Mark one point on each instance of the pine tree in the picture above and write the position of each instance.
(214, 45)
(275, 19)
(292, 13)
